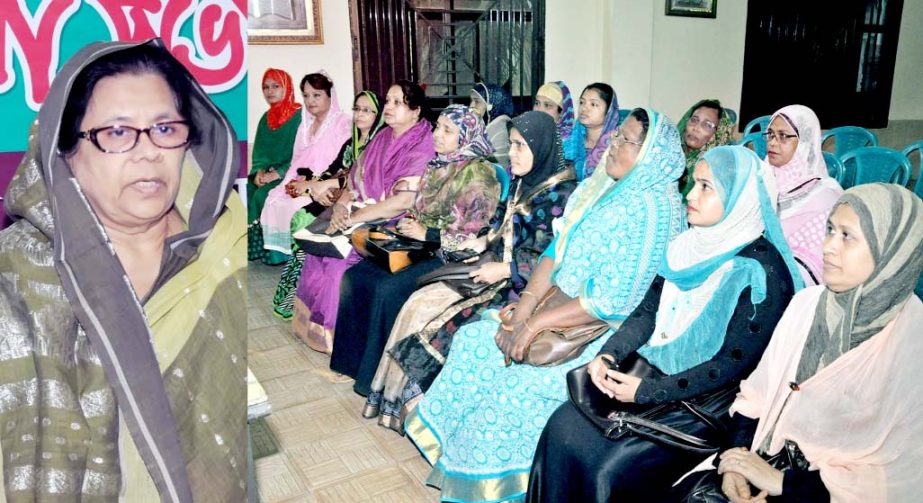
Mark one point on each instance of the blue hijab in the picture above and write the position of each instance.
(585, 162)
(699, 252)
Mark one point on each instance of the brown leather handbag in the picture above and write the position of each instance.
(554, 346)
(391, 251)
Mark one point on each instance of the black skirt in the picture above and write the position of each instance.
(574, 462)
(370, 300)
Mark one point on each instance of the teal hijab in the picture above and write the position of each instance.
(698, 253)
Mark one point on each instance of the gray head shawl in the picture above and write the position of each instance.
(891, 218)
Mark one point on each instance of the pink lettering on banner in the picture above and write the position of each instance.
(215, 55)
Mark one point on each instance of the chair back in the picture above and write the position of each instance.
(875, 164)
(756, 142)
(848, 138)
(916, 147)
(835, 167)
(757, 124)
(504, 178)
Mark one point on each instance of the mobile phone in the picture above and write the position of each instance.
(461, 255)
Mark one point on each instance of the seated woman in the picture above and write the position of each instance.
(367, 121)
(272, 152)
(598, 118)
(704, 126)
(702, 326)
(842, 354)
(554, 98)
(480, 420)
(806, 192)
(457, 197)
(422, 333)
(495, 106)
(384, 180)
(122, 290)
(323, 130)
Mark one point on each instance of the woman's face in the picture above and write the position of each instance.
(445, 136)
(700, 128)
(847, 257)
(364, 114)
(704, 208)
(543, 104)
(521, 158)
(782, 142)
(273, 91)
(397, 114)
(316, 101)
(625, 146)
(478, 104)
(592, 109)
(138, 187)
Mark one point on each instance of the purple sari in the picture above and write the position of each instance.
(385, 161)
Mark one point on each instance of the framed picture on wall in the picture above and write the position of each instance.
(284, 22)
(692, 8)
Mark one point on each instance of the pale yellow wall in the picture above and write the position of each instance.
(907, 92)
(573, 34)
(334, 55)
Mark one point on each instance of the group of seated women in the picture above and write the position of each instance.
(689, 255)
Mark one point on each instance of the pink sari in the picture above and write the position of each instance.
(315, 152)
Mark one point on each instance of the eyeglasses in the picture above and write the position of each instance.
(364, 110)
(119, 139)
(619, 140)
(782, 138)
(707, 124)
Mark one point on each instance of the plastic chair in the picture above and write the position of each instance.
(908, 151)
(875, 164)
(757, 143)
(731, 114)
(504, 178)
(623, 114)
(835, 167)
(848, 138)
(757, 124)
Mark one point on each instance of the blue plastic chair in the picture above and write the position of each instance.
(504, 178)
(917, 147)
(757, 124)
(848, 138)
(756, 142)
(731, 114)
(623, 114)
(875, 164)
(835, 167)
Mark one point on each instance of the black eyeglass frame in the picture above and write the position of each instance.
(90, 135)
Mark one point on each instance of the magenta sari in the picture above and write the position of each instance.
(384, 162)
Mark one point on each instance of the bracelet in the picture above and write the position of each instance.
(526, 292)
(526, 324)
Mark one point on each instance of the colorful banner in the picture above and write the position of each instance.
(37, 36)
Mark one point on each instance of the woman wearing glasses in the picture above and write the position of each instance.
(324, 128)
(480, 421)
(121, 286)
(704, 126)
(367, 121)
(807, 193)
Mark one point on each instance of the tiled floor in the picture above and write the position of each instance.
(328, 451)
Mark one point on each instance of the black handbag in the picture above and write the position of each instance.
(455, 276)
(618, 419)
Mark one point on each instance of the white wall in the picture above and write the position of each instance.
(907, 92)
(334, 56)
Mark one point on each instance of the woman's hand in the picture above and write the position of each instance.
(613, 383)
(270, 176)
(753, 468)
(411, 228)
(737, 489)
(490, 272)
(339, 220)
(298, 188)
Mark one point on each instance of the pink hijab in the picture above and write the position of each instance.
(314, 152)
(806, 193)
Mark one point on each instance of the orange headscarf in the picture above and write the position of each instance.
(283, 110)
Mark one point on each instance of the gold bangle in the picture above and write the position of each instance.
(526, 292)
(529, 328)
